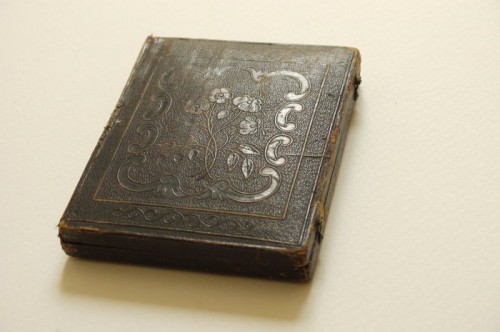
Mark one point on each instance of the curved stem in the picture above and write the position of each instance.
(215, 142)
(229, 122)
(210, 140)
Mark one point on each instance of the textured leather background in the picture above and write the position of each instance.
(220, 140)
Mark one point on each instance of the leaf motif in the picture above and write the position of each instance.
(248, 149)
(247, 167)
(222, 114)
(232, 160)
(192, 153)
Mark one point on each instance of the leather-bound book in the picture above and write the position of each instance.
(219, 156)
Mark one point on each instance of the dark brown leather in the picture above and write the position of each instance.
(220, 156)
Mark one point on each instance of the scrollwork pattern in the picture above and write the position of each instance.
(222, 115)
(272, 149)
(176, 218)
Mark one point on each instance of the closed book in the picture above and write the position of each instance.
(219, 156)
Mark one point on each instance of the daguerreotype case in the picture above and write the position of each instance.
(220, 156)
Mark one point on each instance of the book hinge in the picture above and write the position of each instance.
(357, 82)
(319, 221)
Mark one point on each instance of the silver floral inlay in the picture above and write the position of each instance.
(247, 103)
(219, 95)
(250, 125)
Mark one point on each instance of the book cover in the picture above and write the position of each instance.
(220, 156)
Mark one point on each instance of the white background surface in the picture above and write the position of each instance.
(413, 242)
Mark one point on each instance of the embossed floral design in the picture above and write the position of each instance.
(247, 103)
(249, 125)
(219, 125)
(221, 135)
(218, 134)
(219, 95)
(243, 152)
(196, 106)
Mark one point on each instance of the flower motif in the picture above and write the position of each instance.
(219, 96)
(247, 103)
(196, 106)
(249, 125)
